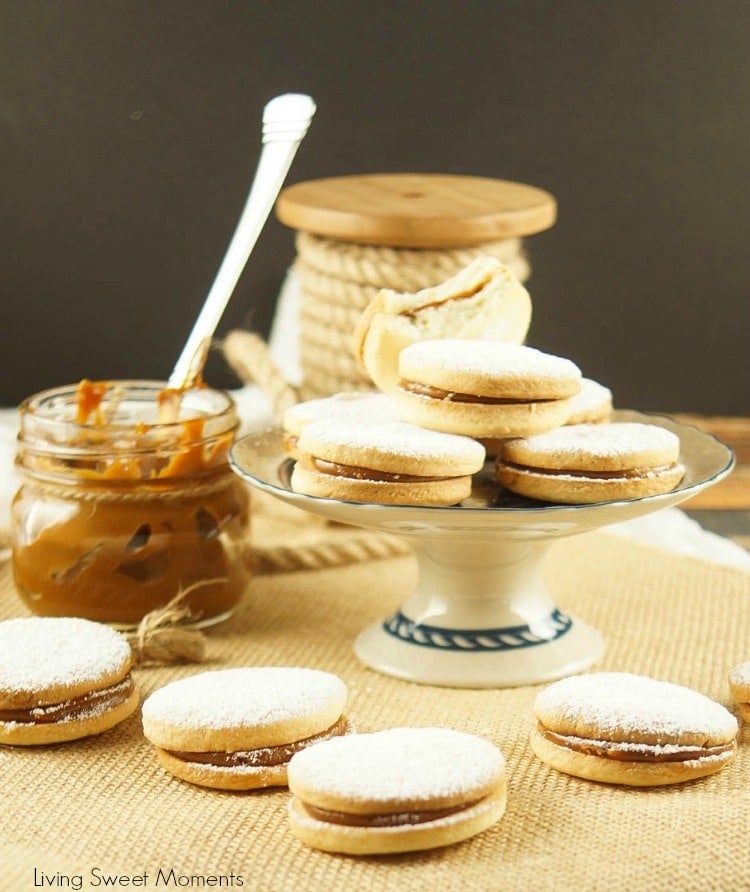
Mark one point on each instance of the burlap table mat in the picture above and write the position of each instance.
(102, 808)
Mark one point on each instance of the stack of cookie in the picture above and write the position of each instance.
(455, 374)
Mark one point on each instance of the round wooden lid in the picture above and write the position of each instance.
(416, 210)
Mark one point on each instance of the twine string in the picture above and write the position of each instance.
(163, 636)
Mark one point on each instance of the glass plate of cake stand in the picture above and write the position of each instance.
(481, 615)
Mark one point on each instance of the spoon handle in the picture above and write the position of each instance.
(286, 119)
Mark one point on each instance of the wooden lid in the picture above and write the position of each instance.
(416, 210)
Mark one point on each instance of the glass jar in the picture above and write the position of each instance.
(120, 510)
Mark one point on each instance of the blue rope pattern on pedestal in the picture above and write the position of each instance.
(474, 640)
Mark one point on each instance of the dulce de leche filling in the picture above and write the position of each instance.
(623, 751)
(463, 295)
(394, 819)
(451, 396)
(264, 757)
(73, 709)
(142, 512)
(354, 473)
(623, 474)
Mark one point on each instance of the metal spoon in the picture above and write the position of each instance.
(285, 122)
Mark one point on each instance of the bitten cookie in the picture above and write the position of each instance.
(388, 463)
(237, 729)
(62, 678)
(483, 300)
(592, 404)
(629, 729)
(585, 463)
(739, 686)
(352, 404)
(400, 790)
(484, 389)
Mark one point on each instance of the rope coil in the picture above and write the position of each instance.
(337, 280)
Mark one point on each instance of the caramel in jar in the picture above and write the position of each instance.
(118, 511)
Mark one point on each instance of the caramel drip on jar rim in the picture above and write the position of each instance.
(186, 452)
(89, 396)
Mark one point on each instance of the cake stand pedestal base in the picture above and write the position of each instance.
(480, 616)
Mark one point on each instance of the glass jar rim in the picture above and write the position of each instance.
(48, 418)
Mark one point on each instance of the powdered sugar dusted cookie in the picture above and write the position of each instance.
(739, 686)
(388, 463)
(236, 729)
(484, 389)
(630, 729)
(585, 463)
(483, 300)
(62, 678)
(348, 404)
(592, 404)
(399, 790)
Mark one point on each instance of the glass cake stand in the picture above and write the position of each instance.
(480, 615)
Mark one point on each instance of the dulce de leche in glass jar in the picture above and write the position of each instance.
(119, 510)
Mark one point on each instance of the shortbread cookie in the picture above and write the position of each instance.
(592, 404)
(400, 790)
(483, 300)
(62, 678)
(739, 686)
(629, 729)
(389, 463)
(237, 729)
(586, 463)
(484, 389)
(355, 404)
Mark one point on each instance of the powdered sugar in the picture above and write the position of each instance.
(591, 398)
(601, 441)
(392, 438)
(351, 404)
(245, 697)
(39, 653)
(740, 675)
(656, 750)
(489, 358)
(714, 758)
(611, 479)
(619, 703)
(403, 764)
(244, 770)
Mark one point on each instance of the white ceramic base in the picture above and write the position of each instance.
(480, 615)
(580, 648)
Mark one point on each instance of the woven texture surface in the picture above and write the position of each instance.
(104, 806)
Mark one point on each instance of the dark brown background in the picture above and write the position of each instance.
(129, 132)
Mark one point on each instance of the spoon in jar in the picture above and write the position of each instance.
(286, 119)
